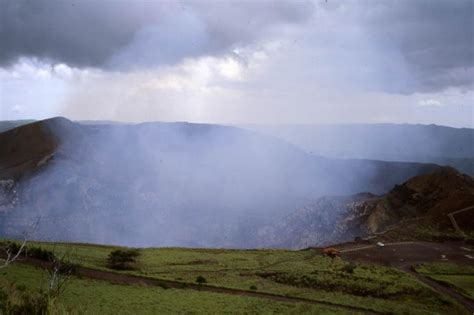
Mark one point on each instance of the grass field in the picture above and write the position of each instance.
(304, 274)
(461, 278)
(85, 296)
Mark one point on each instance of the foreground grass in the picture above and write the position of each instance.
(304, 274)
(84, 296)
(460, 278)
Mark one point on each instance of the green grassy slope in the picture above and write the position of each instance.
(304, 274)
(461, 278)
(85, 296)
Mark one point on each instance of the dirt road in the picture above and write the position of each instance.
(403, 255)
(461, 299)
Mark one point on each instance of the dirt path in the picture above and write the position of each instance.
(453, 220)
(442, 289)
(403, 255)
(353, 249)
(119, 278)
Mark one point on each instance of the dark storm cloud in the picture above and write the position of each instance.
(410, 46)
(435, 38)
(82, 33)
(135, 33)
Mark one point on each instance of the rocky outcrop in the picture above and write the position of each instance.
(333, 220)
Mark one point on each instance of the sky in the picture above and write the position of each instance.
(235, 62)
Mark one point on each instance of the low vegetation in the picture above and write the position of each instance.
(460, 278)
(36, 252)
(123, 259)
(357, 283)
(302, 274)
(15, 300)
(433, 232)
(201, 279)
(85, 296)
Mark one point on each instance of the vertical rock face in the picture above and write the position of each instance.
(330, 220)
(174, 184)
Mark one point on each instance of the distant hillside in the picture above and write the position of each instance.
(10, 124)
(419, 205)
(388, 142)
(174, 184)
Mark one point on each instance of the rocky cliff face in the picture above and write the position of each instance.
(323, 222)
(340, 219)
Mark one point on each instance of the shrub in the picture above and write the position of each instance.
(13, 248)
(123, 259)
(40, 253)
(64, 267)
(163, 285)
(253, 287)
(201, 279)
(33, 252)
(349, 268)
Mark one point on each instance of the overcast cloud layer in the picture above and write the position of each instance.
(125, 33)
(234, 62)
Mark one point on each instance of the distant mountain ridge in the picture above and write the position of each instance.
(420, 143)
(10, 124)
(388, 142)
(167, 184)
